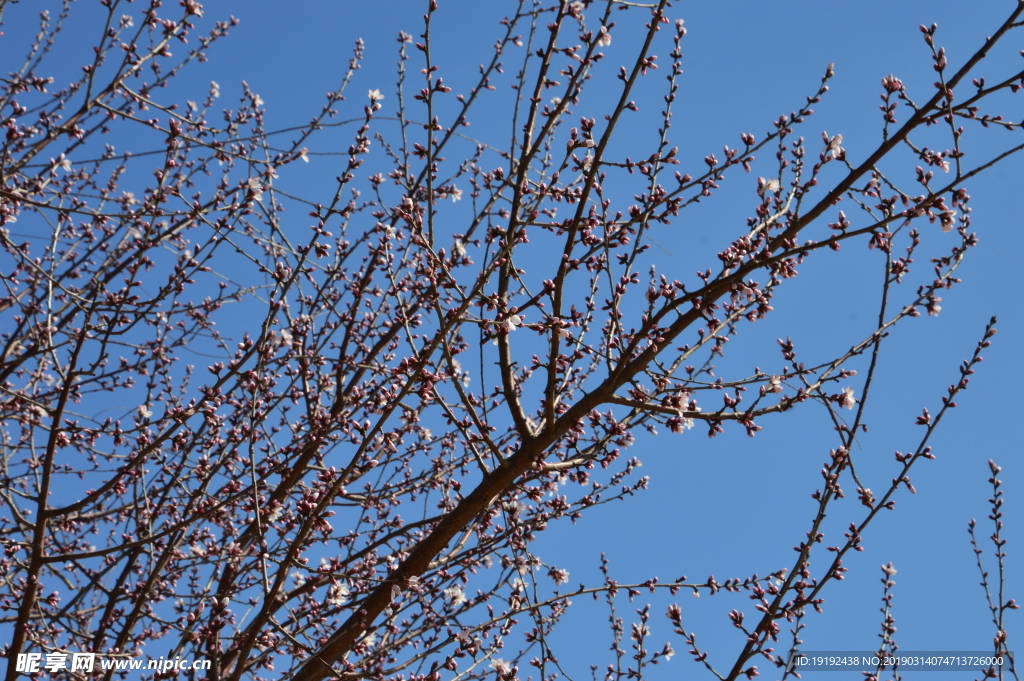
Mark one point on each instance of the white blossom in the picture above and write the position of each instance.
(769, 186)
(834, 146)
(375, 95)
(558, 575)
(337, 595)
(256, 188)
(455, 595)
(846, 399)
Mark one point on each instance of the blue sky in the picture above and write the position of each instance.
(732, 505)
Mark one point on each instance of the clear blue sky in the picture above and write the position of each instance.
(732, 506)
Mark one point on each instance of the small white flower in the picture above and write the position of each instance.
(257, 100)
(214, 89)
(686, 420)
(499, 665)
(256, 188)
(396, 591)
(668, 652)
(455, 595)
(126, 21)
(556, 100)
(513, 321)
(948, 220)
(605, 38)
(834, 146)
(375, 95)
(587, 162)
(456, 194)
(337, 595)
(144, 412)
(847, 399)
(514, 508)
(303, 154)
(459, 248)
(558, 575)
(769, 186)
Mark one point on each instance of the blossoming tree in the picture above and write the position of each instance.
(321, 440)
